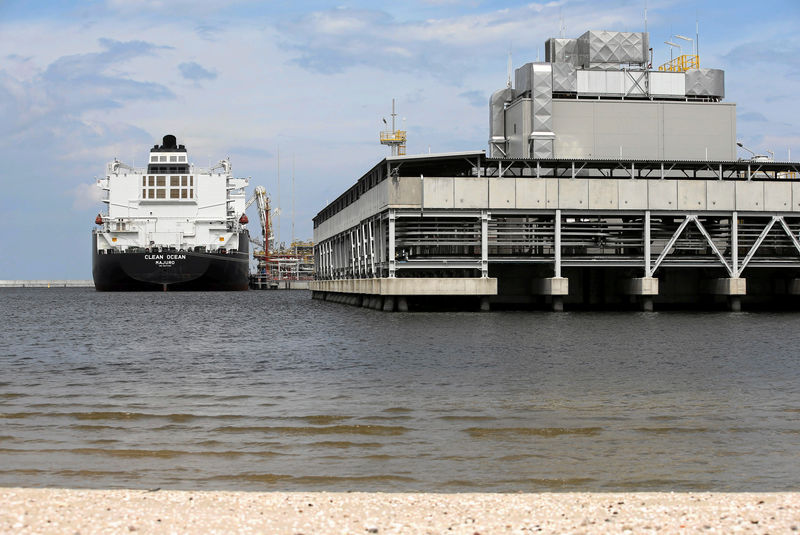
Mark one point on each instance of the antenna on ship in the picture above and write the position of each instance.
(396, 139)
(508, 80)
(278, 208)
(294, 247)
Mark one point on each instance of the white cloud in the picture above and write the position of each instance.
(86, 196)
(335, 40)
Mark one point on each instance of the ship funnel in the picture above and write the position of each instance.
(169, 142)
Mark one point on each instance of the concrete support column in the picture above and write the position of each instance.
(558, 303)
(485, 306)
(728, 286)
(550, 286)
(794, 287)
(642, 286)
(402, 303)
(388, 303)
(734, 288)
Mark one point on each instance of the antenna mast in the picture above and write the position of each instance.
(645, 16)
(293, 244)
(278, 211)
(508, 81)
(697, 33)
(396, 139)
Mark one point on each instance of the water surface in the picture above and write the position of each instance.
(274, 391)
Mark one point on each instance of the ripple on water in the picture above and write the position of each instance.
(467, 418)
(344, 444)
(668, 430)
(18, 415)
(522, 484)
(378, 430)
(143, 453)
(323, 419)
(313, 480)
(547, 432)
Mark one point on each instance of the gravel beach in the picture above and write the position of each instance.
(74, 511)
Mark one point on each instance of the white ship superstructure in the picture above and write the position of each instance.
(171, 225)
(172, 204)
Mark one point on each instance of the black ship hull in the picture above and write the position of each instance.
(171, 270)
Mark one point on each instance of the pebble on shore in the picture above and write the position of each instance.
(169, 511)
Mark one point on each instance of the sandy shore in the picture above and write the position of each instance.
(128, 511)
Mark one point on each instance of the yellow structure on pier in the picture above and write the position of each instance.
(681, 63)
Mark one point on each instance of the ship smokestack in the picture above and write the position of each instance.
(169, 142)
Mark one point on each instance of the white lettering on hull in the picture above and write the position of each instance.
(164, 261)
(168, 257)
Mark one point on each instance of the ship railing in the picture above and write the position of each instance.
(119, 249)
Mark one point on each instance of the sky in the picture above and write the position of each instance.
(300, 89)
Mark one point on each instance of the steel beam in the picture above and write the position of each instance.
(557, 246)
(711, 243)
(392, 254)
(735, 242)
(789, 233)
(485, 244)
(757, 244)
(670, 243)
(647, 271)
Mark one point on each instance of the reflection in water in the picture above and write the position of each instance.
(275, 391)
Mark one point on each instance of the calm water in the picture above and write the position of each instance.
(275, 391)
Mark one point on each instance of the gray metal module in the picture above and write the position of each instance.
(598, 47)
(561, 51)
(565, 78)
(705, 83)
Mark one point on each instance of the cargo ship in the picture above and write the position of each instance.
(171, 226)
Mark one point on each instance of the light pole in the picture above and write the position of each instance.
(672, 45)
(756, 157)
(686, 39)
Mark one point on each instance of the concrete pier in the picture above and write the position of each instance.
(263, 283)
(46, 283)
(393, 294)
(564, 234)
(555, 286)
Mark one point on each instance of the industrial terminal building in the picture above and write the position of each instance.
(607, 184)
